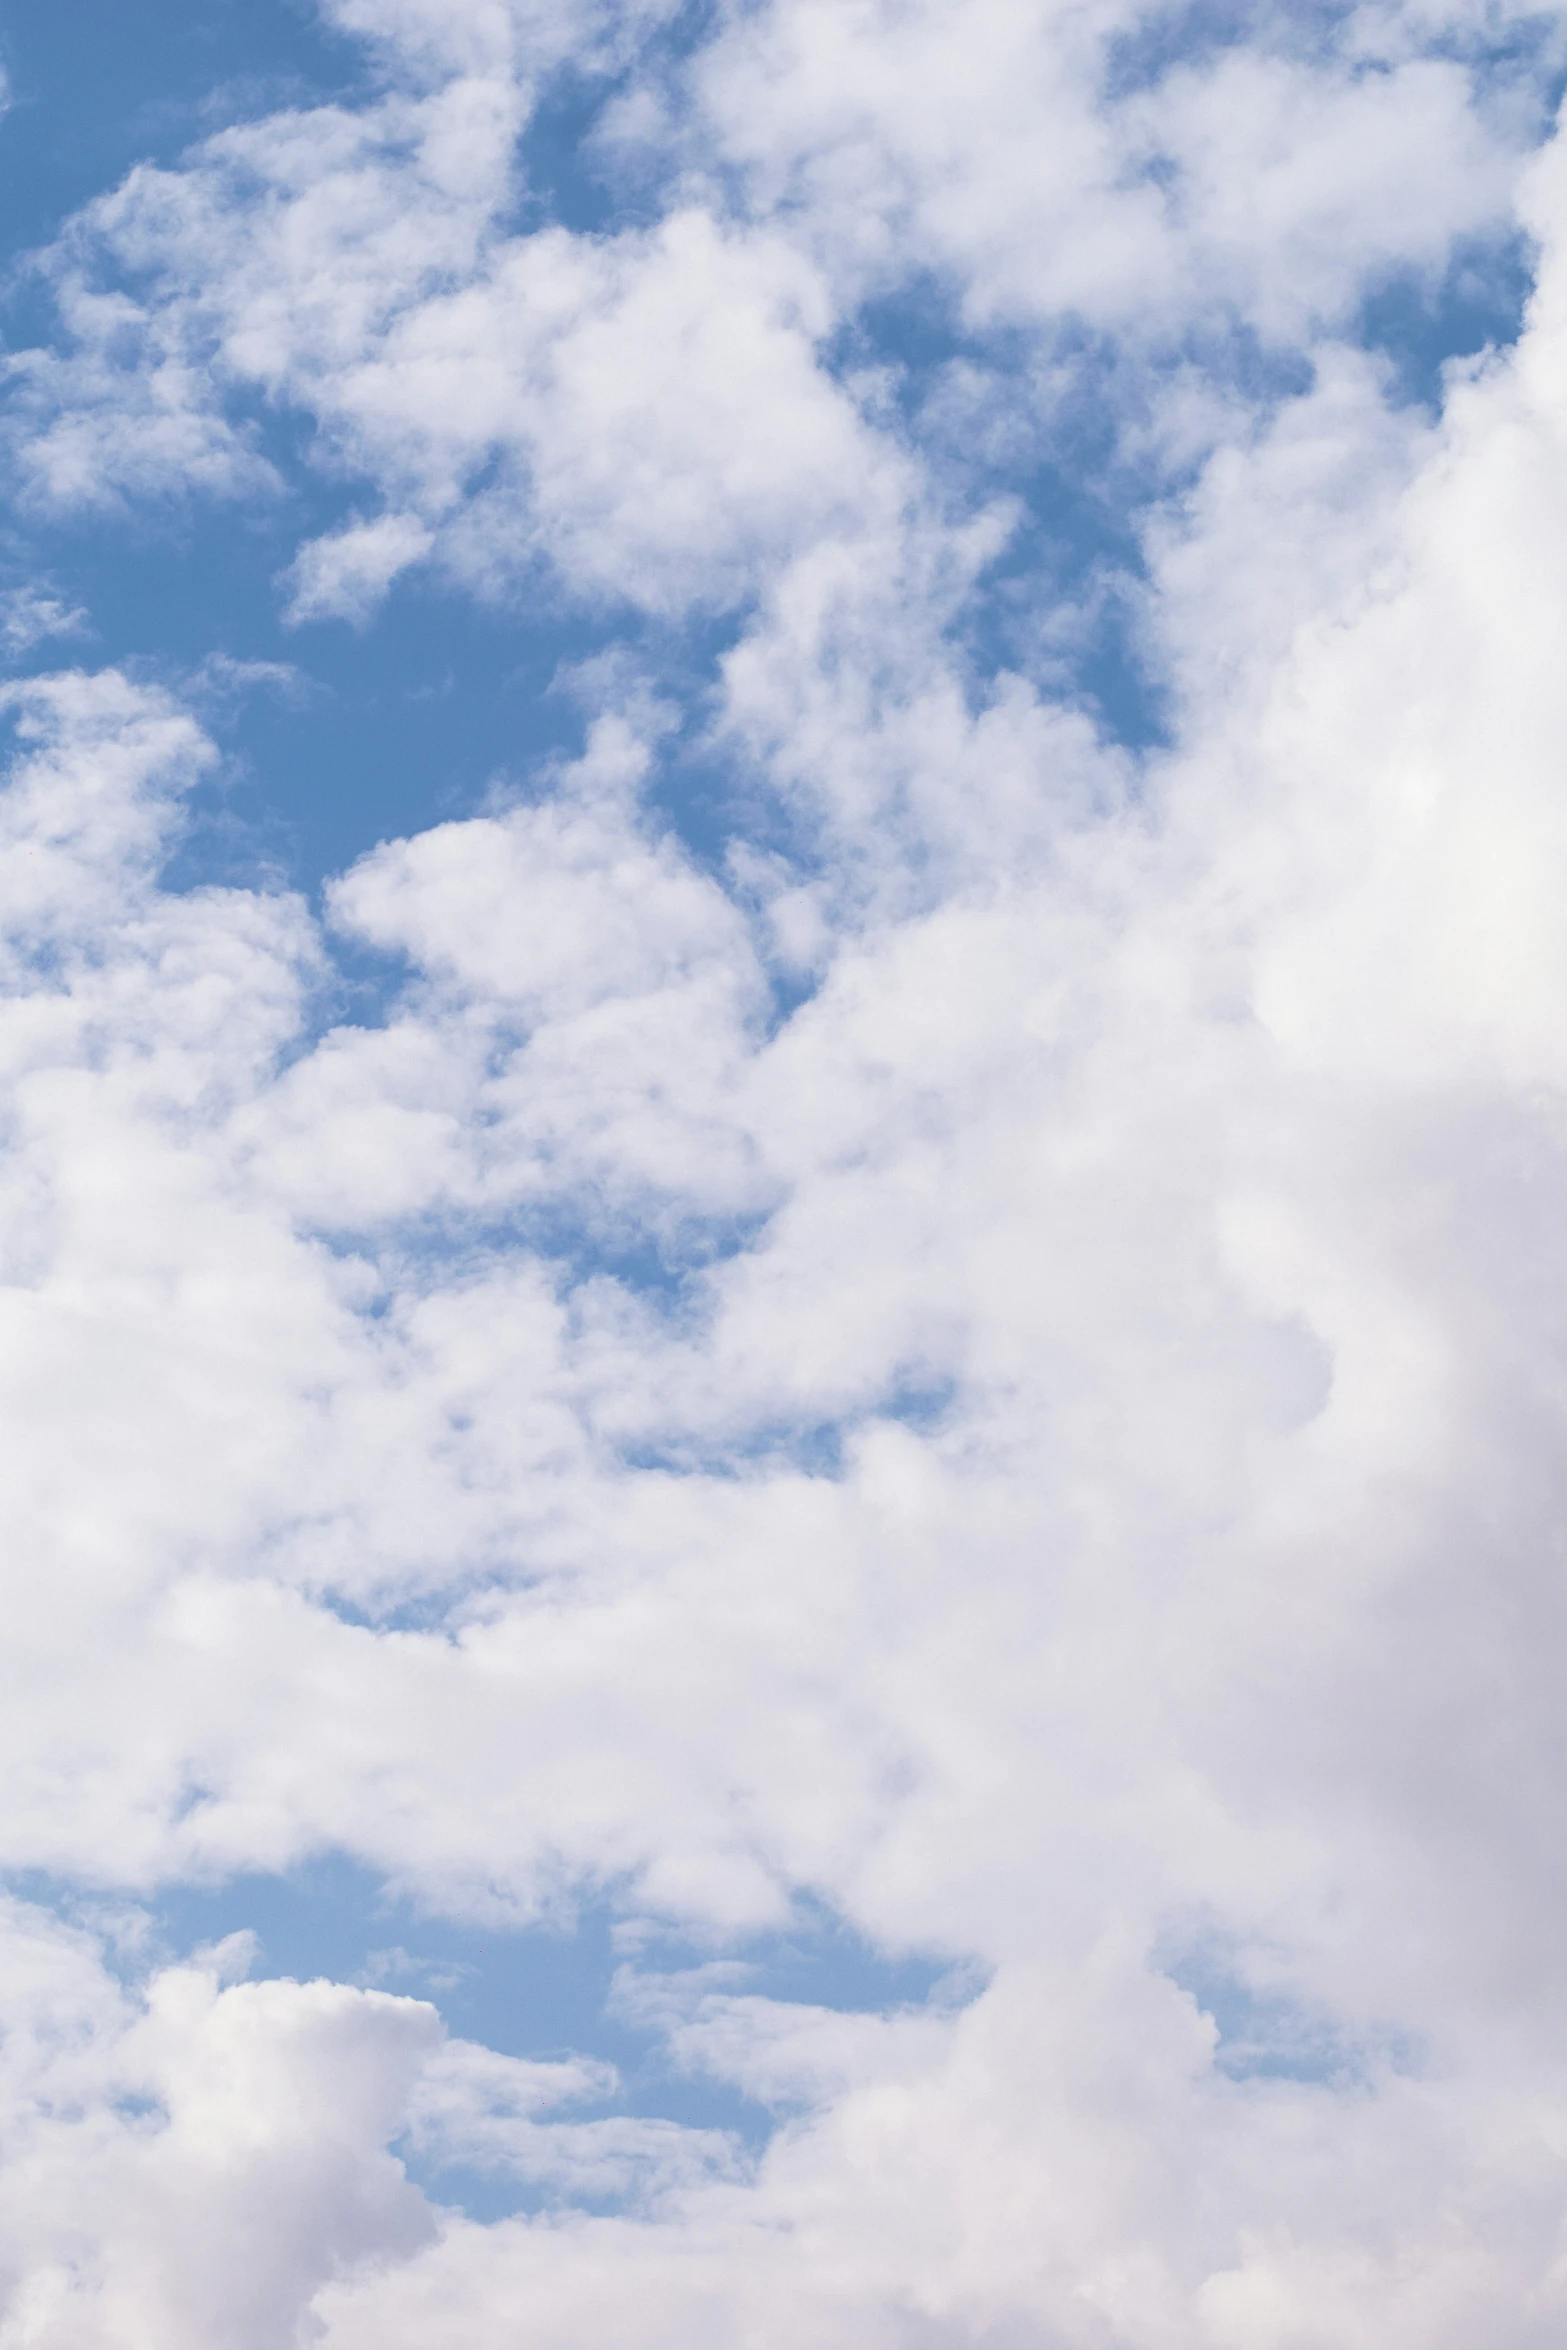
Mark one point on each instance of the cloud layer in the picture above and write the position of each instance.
(976, 1344)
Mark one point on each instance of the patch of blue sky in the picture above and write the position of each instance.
(440, 1612)
(1051, 607)
(1193, 33)
(562, 172)
(489, 2195)
(651, 1246)
(809, 1446)
(1421, 327)
(1266, 2035)
(813, 1448)
(100, 85)
(573, 174)
(541, 1991)
(1061, 603)
(375, 733)
(415, 722)
(1519, 53)
(337, 737)
(567, 174)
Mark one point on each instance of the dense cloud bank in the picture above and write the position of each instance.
(983, 1351)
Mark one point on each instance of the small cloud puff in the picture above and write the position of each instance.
(345, 577)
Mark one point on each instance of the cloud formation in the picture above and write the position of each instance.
(975, 1345)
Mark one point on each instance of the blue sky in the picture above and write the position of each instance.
(782, 1062)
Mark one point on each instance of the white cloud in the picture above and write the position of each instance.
(1050, 1449)
(32, 616)
(191, 2164)
(645, 413)
(476, 2109)
(345, 577)
(1017, 151)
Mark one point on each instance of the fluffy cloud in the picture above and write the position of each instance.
(987, 1353)
(1057, 164)
(644, 415)
(192, 2163)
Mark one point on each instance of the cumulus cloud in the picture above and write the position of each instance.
(644, 414)
(193, 2161)
(984, 1355)
(1268, 176)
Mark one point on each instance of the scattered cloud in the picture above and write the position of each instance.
(31, 616)
(972, 1339)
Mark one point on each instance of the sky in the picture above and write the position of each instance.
(783, 1067)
